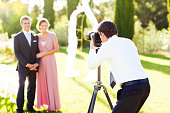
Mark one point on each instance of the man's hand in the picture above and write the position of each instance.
(29, 66)
(32, 67)
(35, 65)
(92, 45)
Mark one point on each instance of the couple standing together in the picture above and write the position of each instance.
(35, 53)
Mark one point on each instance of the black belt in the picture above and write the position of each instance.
(135, 82)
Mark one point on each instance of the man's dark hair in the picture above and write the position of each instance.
(108, 28)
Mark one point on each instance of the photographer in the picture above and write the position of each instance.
(123, 60)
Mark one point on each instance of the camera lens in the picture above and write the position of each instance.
(96, 38)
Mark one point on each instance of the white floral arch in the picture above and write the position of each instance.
(72, 39)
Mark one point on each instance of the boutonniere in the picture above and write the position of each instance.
(34, 40)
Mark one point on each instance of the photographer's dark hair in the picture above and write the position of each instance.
(108, 28)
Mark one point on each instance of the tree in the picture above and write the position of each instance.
(49, 12)
(168, 8)
(71, 6)
(10, 14)
(154, 10)
(34, 15)
(124, 18)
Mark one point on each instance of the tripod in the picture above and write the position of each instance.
(97, 87)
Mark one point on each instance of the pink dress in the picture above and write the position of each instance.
(47, 95)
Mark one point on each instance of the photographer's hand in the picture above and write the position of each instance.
(92, 45)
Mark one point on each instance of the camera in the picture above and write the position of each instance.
(96, 38)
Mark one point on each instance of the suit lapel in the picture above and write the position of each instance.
(32, 44)
(25, 40)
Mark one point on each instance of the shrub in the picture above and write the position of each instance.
(6, 47)
(150, 39)
(61, 30)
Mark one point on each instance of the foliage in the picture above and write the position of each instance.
(124, 18)
(104, 11)
(10, 14)
(34, 15)
(168, 8)
(81, 25)
(6, 106)
(154, 10)
(59, 14)
(61, 26)
(61, 30)
(71, 6)
(150, 39)
(6, 47)
(49, 12)
(1, 27)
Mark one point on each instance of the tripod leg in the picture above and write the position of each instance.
(93, 99)
(107, 96)
(90, 103)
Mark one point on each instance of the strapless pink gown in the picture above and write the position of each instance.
(47, 92)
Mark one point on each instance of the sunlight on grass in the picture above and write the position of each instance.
(156, 60)
(159, 100)
(76, 95)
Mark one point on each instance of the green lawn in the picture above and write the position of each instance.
(76, 95)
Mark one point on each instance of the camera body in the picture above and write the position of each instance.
(96, 38)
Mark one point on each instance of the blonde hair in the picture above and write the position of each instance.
(25, 17)
(40, 21)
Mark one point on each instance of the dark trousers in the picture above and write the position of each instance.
(30, 90)
(131, 98)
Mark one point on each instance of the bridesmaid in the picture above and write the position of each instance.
(47, 95)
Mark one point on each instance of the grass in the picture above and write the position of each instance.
(76, 95)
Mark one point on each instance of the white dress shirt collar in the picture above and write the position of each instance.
(26, 31)
(28, 36)
(114, 36)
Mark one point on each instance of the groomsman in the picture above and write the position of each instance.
(26, 48)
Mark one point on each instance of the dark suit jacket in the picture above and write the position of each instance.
(24, 53)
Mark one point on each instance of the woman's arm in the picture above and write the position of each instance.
(56, 48)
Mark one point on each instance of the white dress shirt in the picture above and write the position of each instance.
(28, 36)
(122, 57)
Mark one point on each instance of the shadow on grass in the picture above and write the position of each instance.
(101, 100)
(79, 56)
(156, 56)
(157, 67)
